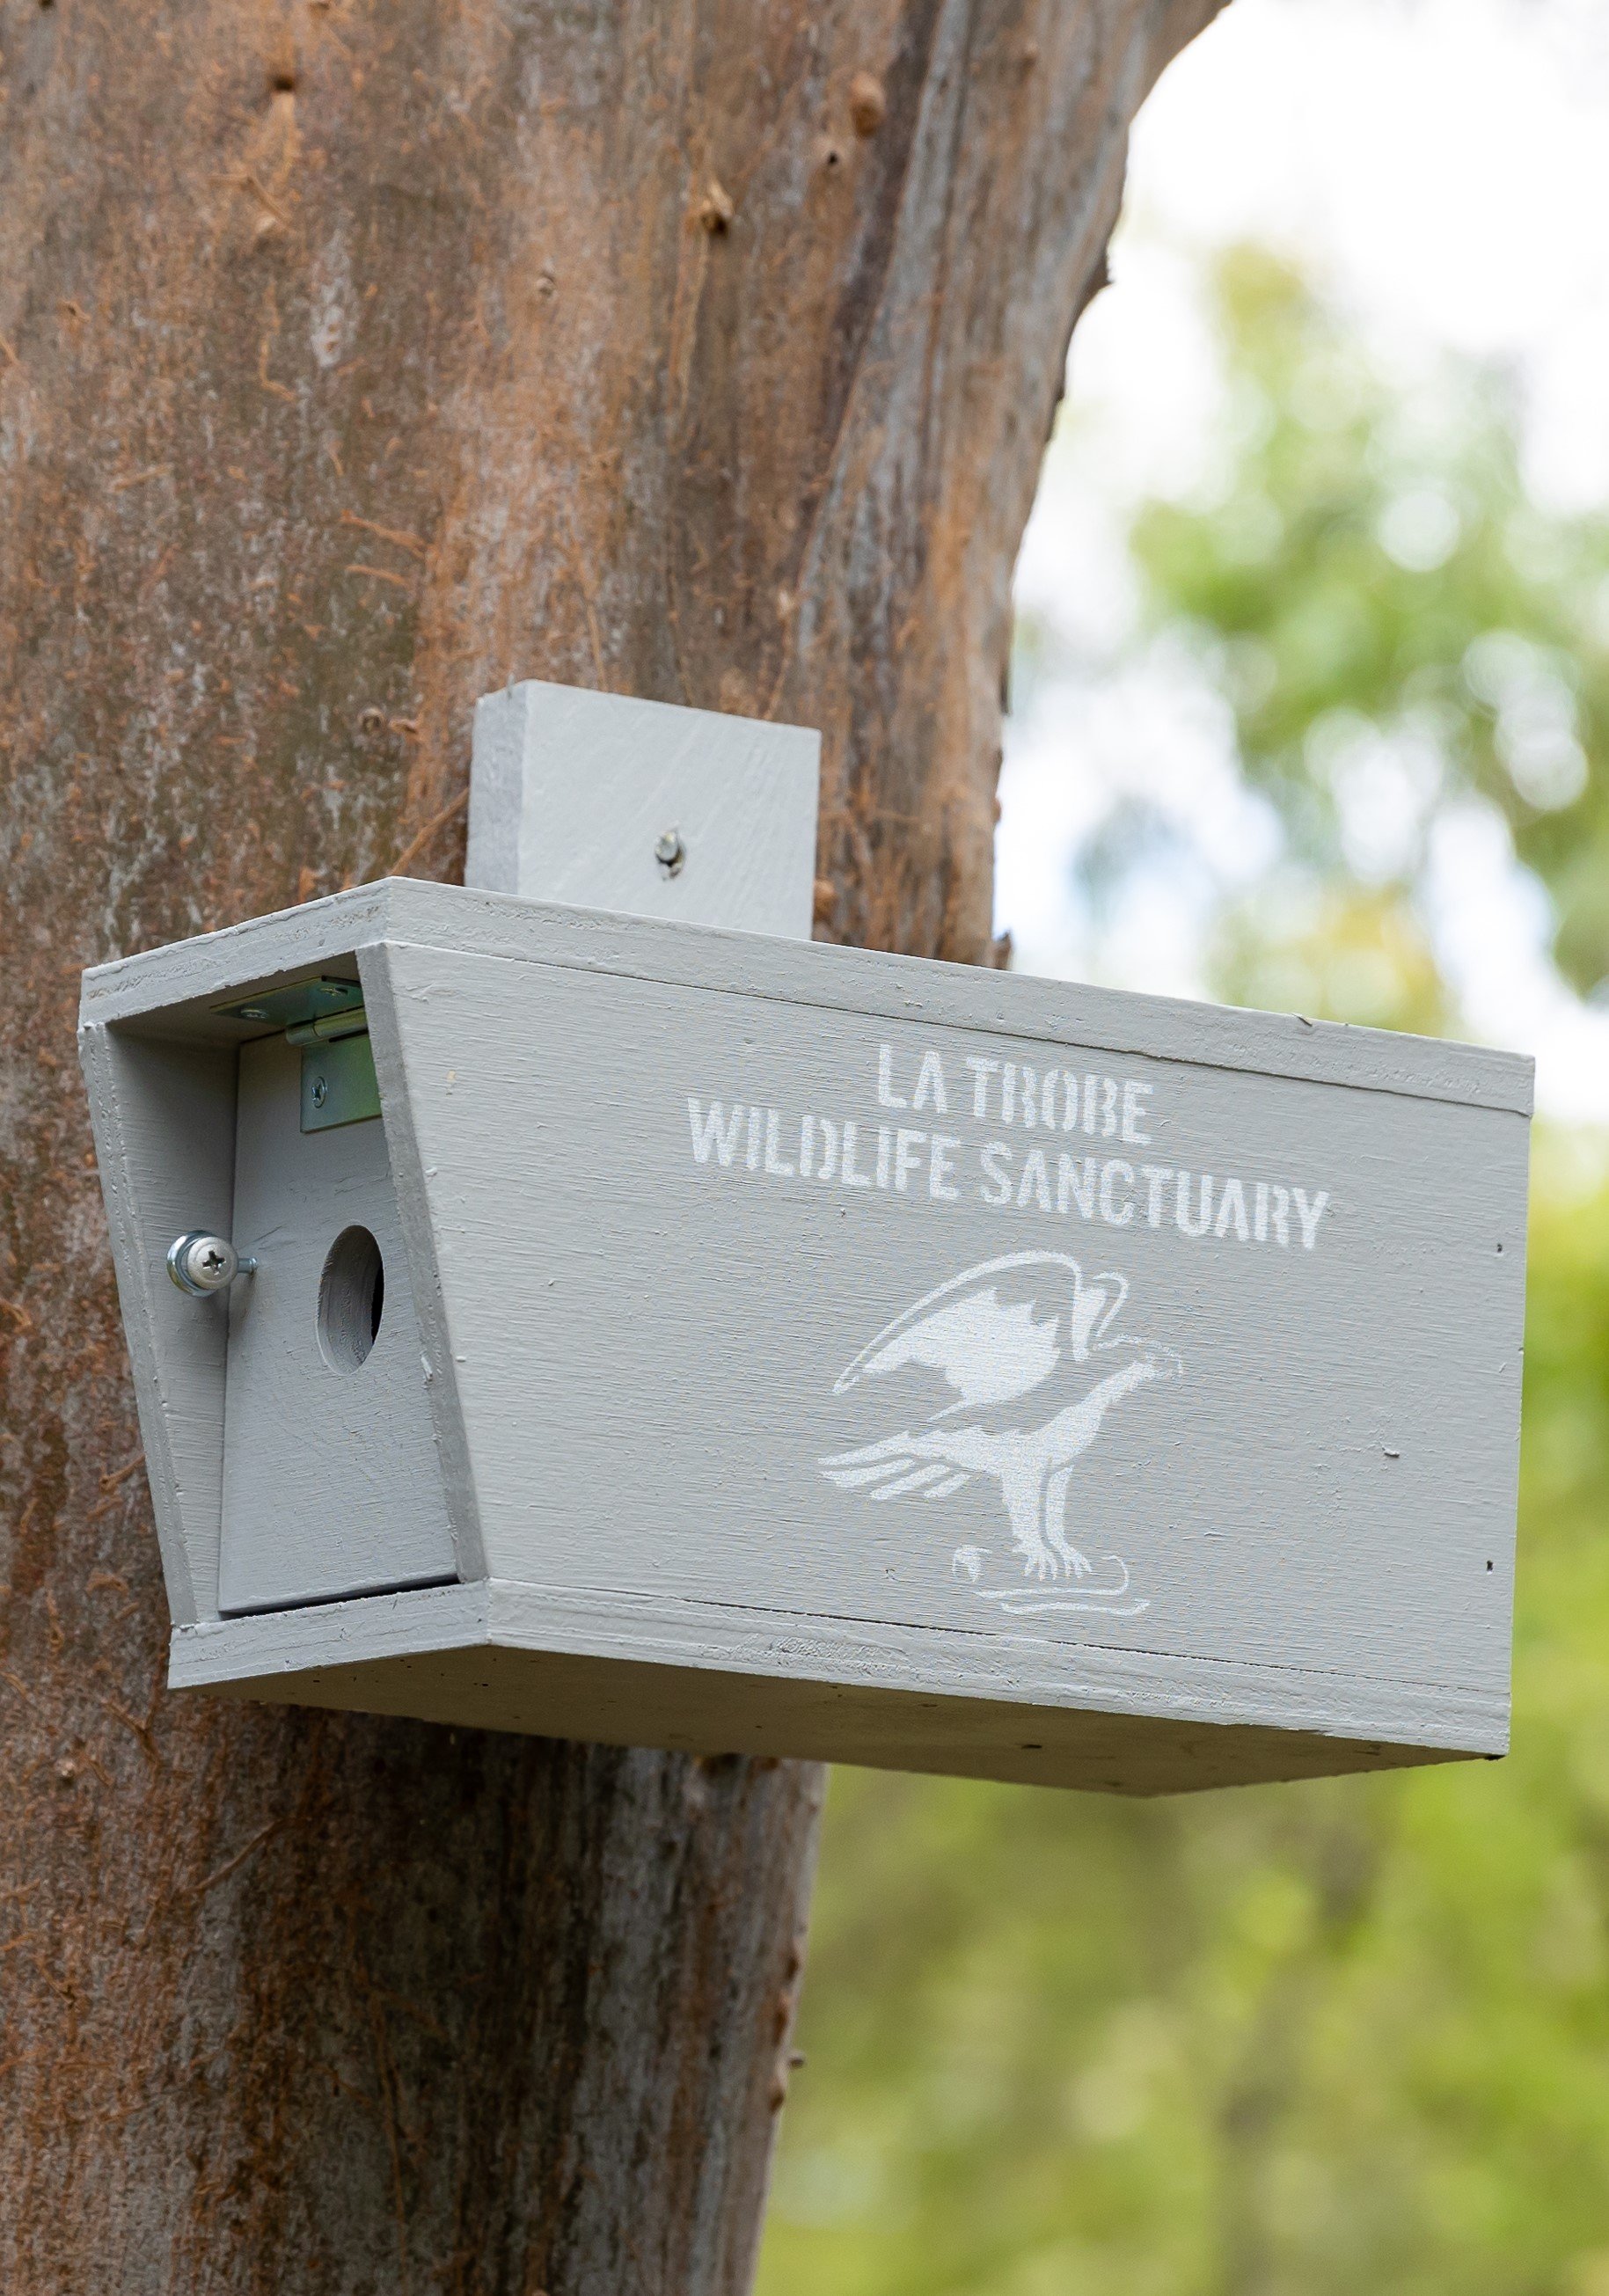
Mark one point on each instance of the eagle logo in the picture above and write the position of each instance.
(1007, 1371)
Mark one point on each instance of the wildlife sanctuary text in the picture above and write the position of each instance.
(1025, 1174)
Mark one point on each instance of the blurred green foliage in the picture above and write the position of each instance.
(1320, 2040)
(1395, 625)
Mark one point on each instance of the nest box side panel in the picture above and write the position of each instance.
(163, 1117)
(797, 1311)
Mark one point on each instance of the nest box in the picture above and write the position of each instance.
(569, 1315)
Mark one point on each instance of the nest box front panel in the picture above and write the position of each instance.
(763, 1302)
(332, 1482)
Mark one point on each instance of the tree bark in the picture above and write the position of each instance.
(355, 358)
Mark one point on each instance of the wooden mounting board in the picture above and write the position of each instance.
(570, 791)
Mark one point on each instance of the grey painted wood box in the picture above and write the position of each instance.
(722, 1342)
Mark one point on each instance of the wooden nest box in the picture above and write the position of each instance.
(696, 1337)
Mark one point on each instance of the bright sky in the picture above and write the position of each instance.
(1445, 165)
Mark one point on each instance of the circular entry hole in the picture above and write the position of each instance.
(351, 1299)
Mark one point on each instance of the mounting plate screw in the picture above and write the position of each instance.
(321, 1091)
(202, 1264)
(670, 852)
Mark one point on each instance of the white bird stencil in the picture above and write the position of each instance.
(972, 1353)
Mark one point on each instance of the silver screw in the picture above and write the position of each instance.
(670, 852)
(252, 1013)
(321, 1091)
(201, 1264)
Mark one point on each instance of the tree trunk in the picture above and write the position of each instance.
(355, 358)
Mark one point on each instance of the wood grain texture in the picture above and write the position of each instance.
(356, 359)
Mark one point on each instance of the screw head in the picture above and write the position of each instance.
(201, 1264)
(252, 1013)
(321, 1091)
(671, 852)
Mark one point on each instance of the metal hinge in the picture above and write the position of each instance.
(326, 1020)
